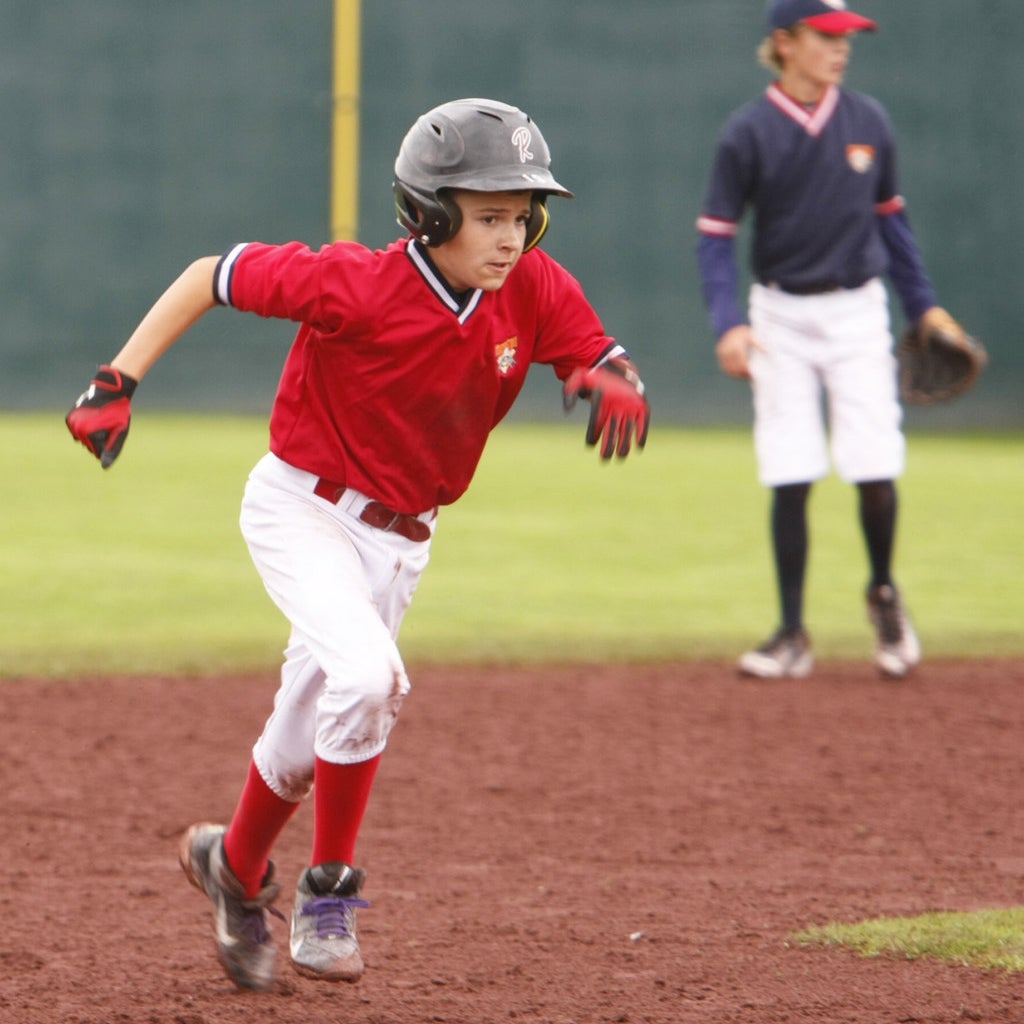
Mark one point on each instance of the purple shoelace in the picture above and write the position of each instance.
(332, 913)
(254, 925)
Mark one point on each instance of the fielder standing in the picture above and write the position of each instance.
(404, 361)
(817, 165)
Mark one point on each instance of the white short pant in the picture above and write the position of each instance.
(838, 344)
(345, 587)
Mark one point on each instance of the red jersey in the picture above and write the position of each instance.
(394, 382)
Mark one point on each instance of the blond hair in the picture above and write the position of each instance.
(768, 55)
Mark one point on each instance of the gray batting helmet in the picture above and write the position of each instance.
(475, 144)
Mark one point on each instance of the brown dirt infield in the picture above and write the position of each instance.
(555, 846)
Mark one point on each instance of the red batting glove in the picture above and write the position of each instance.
(102, 414)
(618, 409)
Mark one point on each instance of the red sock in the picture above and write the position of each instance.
(257, 822)
(340, 794)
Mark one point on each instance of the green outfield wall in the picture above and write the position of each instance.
(139, 136)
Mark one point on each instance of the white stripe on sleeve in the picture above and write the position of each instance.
(222, 281)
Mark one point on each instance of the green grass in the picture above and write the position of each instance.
(552, 555)
(666, 555)
(989, 939)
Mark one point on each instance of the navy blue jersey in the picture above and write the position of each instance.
(823, 186)
(817, 181)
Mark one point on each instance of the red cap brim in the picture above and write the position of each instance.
(841, 23)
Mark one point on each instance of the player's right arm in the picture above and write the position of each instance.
(728, 193)
(101, 416)
(720, 283)
(185, 302)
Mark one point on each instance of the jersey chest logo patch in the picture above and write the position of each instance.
(860, 158)
(505, 355)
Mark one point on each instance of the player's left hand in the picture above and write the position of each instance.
(618, 409)
(101, 416)
(938, 360)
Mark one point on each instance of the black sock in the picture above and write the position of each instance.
(878, 507)
(789, 545)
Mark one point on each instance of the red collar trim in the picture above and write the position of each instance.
(812, 121)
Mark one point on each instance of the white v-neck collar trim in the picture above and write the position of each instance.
(462, 307)
(812, 121)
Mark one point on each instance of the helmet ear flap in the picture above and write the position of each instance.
(452, 213)
(431, 221)
(538, 222)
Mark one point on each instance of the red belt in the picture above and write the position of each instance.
(377, 514)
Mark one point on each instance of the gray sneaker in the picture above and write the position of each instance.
(244, 943)
(784, 655)
(323, 942)
(897, 648)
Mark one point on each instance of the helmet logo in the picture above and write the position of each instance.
(521, 138)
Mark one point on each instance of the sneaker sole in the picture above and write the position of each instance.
(894, 667)
(350, 976)
(891, 673)
(800, 669)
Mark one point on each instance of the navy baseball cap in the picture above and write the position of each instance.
(828, 16)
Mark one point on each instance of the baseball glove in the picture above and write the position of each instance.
(938, 360)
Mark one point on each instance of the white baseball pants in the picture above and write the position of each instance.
(345, 587)
(838, 344)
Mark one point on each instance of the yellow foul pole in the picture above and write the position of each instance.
(345, 126)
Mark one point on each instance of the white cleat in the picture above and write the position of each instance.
(897, 649)
(785, 655)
